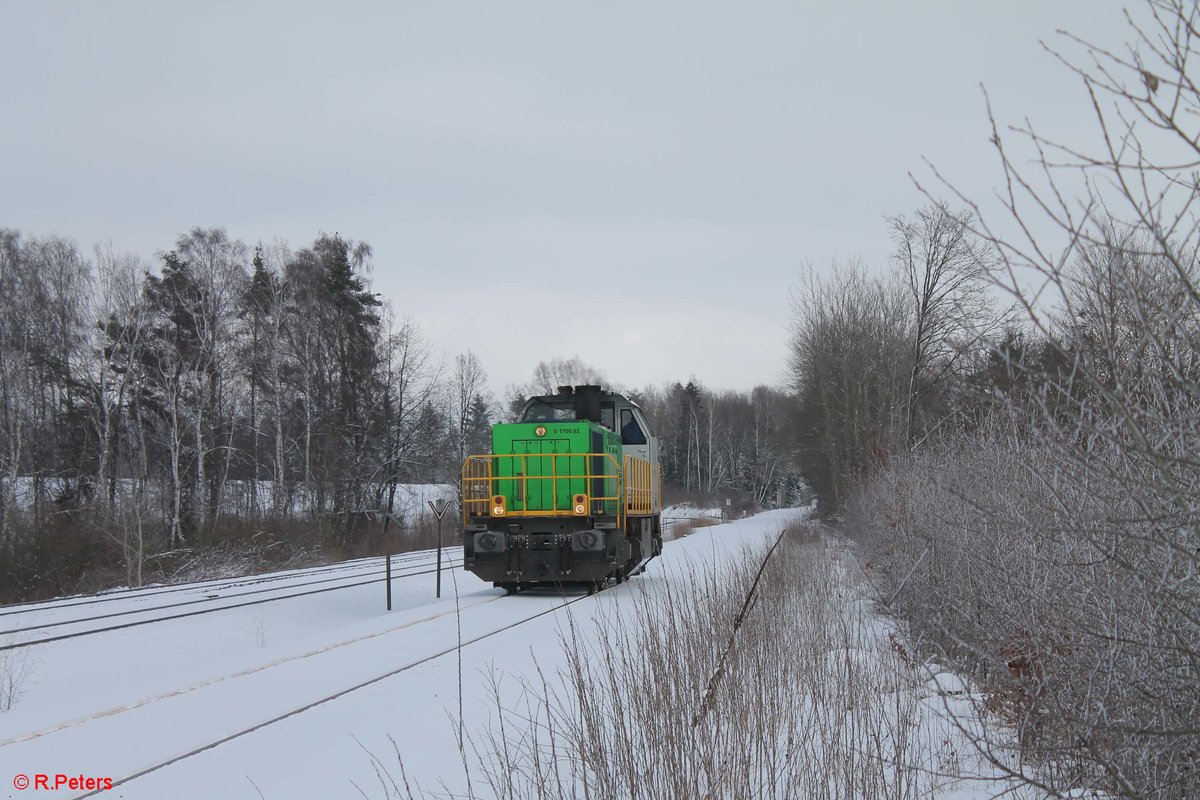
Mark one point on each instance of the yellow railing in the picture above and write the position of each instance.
(633, 488)
(641, 479)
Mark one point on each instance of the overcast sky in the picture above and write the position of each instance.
(635, 183)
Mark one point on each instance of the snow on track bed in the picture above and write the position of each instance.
(35, 619)
(340, 693)
(210, 584)
(289, 690)
(211, 681)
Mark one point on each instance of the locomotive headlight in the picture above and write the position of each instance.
(580, 501)
(499, 505)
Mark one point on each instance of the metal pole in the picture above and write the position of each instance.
(388, 550)
(439, 559)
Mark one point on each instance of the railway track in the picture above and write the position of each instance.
(11, 609)
(377, 576)
(331, 697)
(126, 707)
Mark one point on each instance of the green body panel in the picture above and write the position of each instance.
(556, 453)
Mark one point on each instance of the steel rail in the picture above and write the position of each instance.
(327, 698)
(62, 637)
(54, 604)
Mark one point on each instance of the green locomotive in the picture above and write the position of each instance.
(570, 494)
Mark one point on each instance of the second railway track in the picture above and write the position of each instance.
(214, 584)
(195, 751)
(280, 593)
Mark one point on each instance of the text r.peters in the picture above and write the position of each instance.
(61, 781)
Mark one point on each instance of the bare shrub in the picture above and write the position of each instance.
(1055, 553)
(811, 700)
(1047, 572)
(679, 528)
(49, 559)
(15, 666)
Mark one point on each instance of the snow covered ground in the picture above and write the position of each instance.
(684, 516)
(294, 698)
(689, 511)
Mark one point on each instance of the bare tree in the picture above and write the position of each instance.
(44, 283)
(945, 268)
(410, 384)
(548, 376)
(115, 381)
(14, 383)
(848, 362)
(1068, 531)
(217, 265)
(468, 389)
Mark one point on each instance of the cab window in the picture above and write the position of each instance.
(547, 412)
(631, 433)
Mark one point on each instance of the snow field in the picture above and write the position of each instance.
(115, 704)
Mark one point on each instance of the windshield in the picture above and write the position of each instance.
(542, 411)
(549, 412)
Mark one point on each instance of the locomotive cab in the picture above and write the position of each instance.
(617, 413)
(569, 494)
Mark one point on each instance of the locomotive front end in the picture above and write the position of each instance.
(558, 500)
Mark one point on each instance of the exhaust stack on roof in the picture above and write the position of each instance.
(587, 403)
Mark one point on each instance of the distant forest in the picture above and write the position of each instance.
(227, 396)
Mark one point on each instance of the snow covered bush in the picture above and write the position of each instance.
(14, 669)
(697, 692)
(1055, 572)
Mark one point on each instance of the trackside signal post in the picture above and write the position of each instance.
(385, 517)
(438, 507)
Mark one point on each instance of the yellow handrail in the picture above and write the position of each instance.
(637, 489)
(639, 486)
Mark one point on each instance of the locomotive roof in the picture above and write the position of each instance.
(562, 399)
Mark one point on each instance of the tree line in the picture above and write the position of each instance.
(146, 408)
(1007, 418)
(225, 392)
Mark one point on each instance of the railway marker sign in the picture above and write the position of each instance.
(438, 507)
